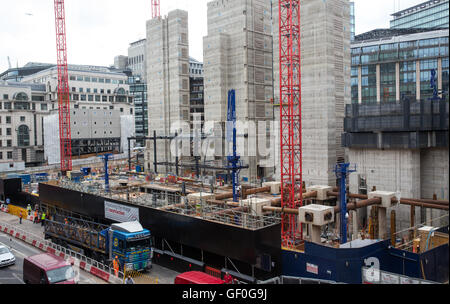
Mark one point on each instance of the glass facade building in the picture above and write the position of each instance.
(138, 89)
(387, 69)
(352, 21)
(431, 15)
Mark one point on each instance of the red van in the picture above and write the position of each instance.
(47, 269)
(197, 277)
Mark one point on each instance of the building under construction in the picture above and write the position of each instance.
(278, 223)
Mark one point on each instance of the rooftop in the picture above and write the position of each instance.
(418, 7)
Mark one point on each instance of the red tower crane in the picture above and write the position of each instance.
(63, 88)
(156, 9)
(290, 119)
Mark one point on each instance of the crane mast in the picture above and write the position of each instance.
(290, 119)
(156, 12)
(63, 88)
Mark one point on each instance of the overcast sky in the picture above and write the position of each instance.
(98, 30)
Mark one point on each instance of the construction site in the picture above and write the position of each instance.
(212, 203)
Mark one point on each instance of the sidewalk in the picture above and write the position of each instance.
(26, 225)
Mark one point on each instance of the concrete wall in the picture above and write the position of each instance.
(238, 55)
(168, 80)
(325, 48)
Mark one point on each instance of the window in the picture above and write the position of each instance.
(108, 91)
(79, 78)
(88, 90)
(111, 98)
(5, 96)
(76, 97)
(90, 97)
(23, 136)
(97, 98)
(83, 97)
(8, 119)
(10, 155)
(44, 106)
(22, 118)
(8, 131)
(80, 90)
(1, 153)
(95, 91)
(87, 79)
(104, 98)
(93, 79)
(74, 89)
(9, 143)
(108, 81)
(20, 96)
(101, 80)
(0, 105)
(121, 110)
(72, 78)
(8, 106)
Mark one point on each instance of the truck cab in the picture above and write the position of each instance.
(132, 244)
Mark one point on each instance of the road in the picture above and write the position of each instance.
(21, 250)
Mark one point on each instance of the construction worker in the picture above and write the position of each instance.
(35, 217)
(116, 266)
(66, 221)
(20, 217)
(29, 209)
(42, 218)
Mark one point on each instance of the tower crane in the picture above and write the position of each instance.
(156, 12)
(290, 119)
(63, 88)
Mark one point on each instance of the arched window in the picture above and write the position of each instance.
(23, 136)
(119, 91)
(21, 96)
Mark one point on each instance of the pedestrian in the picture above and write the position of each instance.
(116, 266)
(42, 218)
(20, 217)
(228, 278)
(129, 280)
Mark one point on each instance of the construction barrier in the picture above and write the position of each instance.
(140, 278)
(95, 268)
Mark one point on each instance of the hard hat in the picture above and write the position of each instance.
(117, 257)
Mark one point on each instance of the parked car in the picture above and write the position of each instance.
(47, 269)
(6, 257)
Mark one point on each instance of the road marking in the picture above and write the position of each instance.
(15, 275)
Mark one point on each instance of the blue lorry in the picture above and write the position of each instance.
(130, 242)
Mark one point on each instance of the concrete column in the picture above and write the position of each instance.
(315, 234)
(359, 84)
(354, 215)
(382, 223)
(418, 80)
(378, 83)
(439, 75)
(397, 81)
